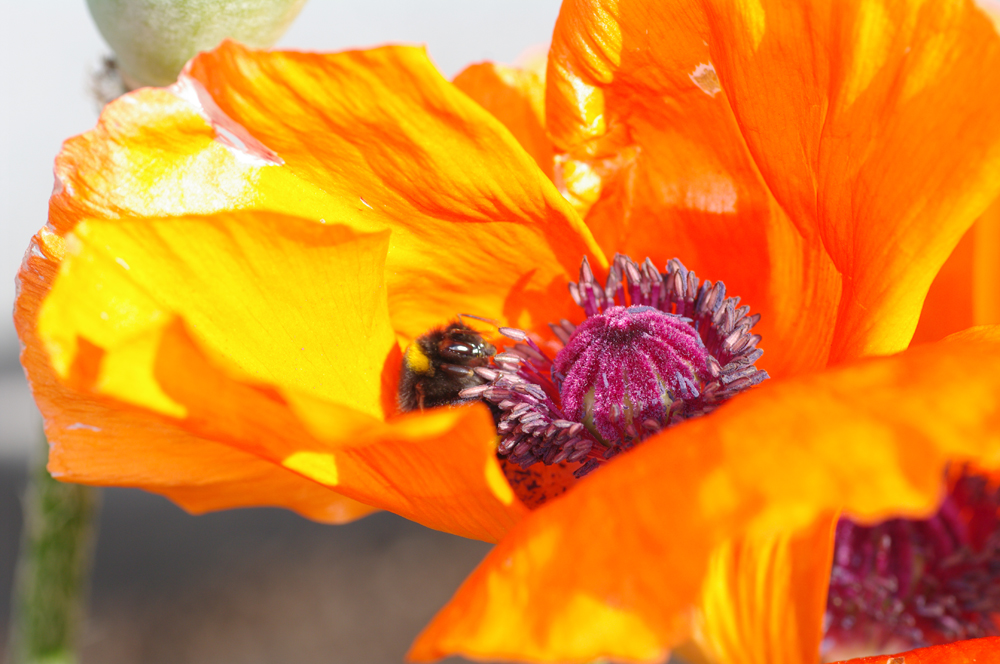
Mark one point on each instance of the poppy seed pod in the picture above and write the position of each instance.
(154, 38)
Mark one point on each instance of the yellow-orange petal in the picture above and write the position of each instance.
(515, 97)
(764, 596)
(96, 440)
(288, 363)
(476, 226)
(785, 148)
(438, 468)
(374, 140)
(871, 437)
(282, 300)
(973, 651)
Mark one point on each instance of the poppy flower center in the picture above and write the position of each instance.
(628, 366)
(653, 350)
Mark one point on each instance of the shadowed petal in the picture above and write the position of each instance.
(966, 291)
(949, 306)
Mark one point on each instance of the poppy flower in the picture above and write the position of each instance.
(217, 309)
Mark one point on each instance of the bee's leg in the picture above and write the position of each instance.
(457, 370)
(419, 389)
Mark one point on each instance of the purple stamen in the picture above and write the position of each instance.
(905, 583)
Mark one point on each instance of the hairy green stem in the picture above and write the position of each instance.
(53, 569)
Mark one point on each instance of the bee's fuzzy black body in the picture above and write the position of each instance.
(440, 364)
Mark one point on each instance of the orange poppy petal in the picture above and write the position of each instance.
(892, 74)
(260, 294)
(285, 301)
(973, 651)
(94, 440)
(375, 140)
(871, 437)
(764, 596)
(515, 97)
(437, 468)
(198, 474)
(949, 305)
(727, 133)
(986, 277)
(539, 483)
(966, 291)
(476, 227)
(655, 158)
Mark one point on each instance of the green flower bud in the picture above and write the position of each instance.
(154, 38)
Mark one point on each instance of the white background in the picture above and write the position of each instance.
(48, 48)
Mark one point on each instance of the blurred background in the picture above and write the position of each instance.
(242, 586)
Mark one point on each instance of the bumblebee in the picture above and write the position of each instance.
(440, 364)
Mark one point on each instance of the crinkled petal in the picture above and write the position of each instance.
(476, 227)
(515, 97)
(973, 651)
(872, 438)
(163, 347)
(285, 301)
(99, 440)
(822, 159)
(375, 140)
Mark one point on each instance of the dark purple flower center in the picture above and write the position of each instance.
(627, 366)
(653, 349)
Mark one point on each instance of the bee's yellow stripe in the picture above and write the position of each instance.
(417, 361)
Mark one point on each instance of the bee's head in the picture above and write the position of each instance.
(462, 345)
